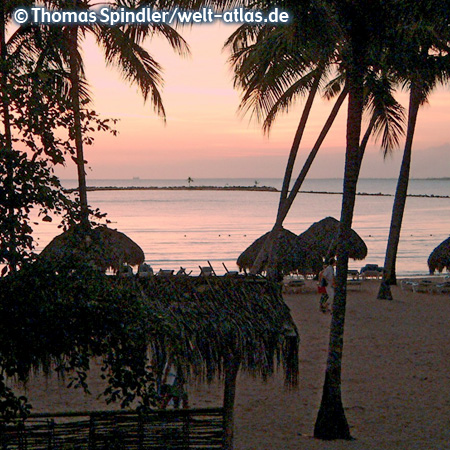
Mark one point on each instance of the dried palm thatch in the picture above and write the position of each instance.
(204, 320)
(286, 242)
(196, 321)
(439, 258)
(319, 242)
(206, 326)
(102, 246)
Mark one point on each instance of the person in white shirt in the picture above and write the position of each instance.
(328, 275)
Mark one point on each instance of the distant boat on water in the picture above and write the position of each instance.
(136, 178)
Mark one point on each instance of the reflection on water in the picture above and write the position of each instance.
(187, 228)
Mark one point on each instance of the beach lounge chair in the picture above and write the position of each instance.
(230, 273)
(182, 272)
(422, 286)
(374, 274)
(293, 285)
(145, 271)
(165, 273)
(406, 285)
(207, 271)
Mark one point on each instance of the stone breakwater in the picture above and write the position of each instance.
(237, 188)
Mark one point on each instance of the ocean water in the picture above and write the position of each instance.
(190, 227)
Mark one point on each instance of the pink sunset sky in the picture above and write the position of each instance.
(205, 136)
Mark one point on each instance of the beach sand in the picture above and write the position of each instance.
(395, 380)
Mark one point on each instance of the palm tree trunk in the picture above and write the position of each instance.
(268, 249)
(270, 244)
(312, 155)
(5, 105)
(296, 143)
(331, 422)
(75, 97)
(4, 80)
(398, 209)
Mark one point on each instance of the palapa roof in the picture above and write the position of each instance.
(286, 241)
(219, 316)
(319, 242)
(306, 251)
(104, 247)
(439, 258)
(198, 321)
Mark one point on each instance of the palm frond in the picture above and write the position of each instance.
(135, 63)
(389, 115)
(289, 96)
(269, 69)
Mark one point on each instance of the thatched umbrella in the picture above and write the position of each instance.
(439, 258)
(286, 241)
(208, 326)
(103, 247)
(320, 241)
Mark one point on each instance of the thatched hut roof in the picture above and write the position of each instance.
(439, 258)
(102, 246)
(319, 241)
(286, 241)
(198, 321)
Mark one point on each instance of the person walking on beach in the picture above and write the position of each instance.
(328, 275)
(322, 289)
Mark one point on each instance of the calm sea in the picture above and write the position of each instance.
(189, 227)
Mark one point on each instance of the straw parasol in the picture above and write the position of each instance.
(209, 326)
(439, 258)
(319, 242)
(286, 241)
(102, 246)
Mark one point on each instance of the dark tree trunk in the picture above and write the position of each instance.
(296, 143)
(4, 80)
(389, 275)
(5, 105)
(331, 422)
(312, 155)
(75, 97)
(269, 249)
(231, 371)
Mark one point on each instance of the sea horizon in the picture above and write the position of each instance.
(190, 227)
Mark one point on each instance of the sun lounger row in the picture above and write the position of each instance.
(426, 286)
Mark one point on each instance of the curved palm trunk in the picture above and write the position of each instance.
(309, 160)
(268, 247)
(400, 198)
(331, 422)
(75, 97)
(284, 206)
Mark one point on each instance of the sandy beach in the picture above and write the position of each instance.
(395, 378)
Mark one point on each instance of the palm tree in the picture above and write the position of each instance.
(355, 50)
(273, 69)
(421, 65)
(359, 25)
(121, 46)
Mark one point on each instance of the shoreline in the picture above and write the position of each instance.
(236, 188)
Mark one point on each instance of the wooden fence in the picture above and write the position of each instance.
(111, 430)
